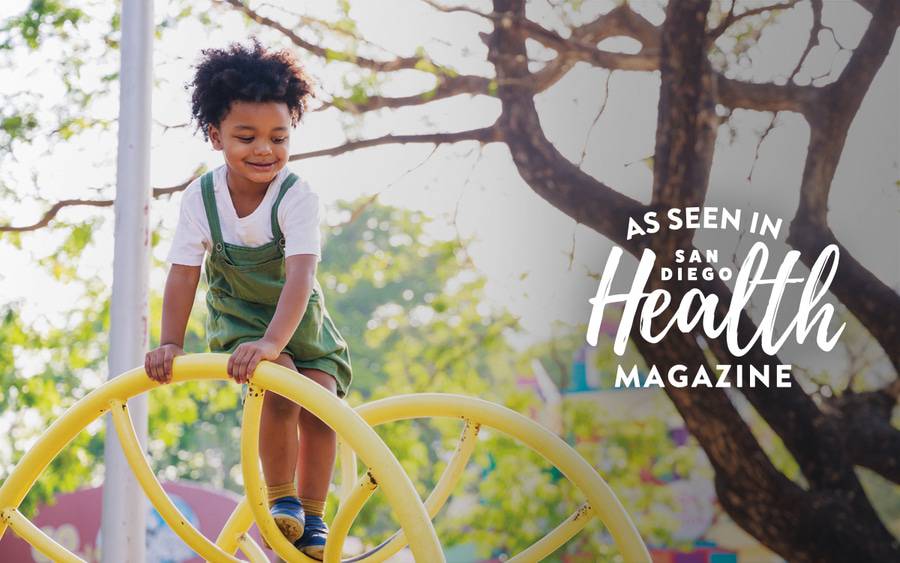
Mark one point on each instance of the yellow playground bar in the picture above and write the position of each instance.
(358, 438)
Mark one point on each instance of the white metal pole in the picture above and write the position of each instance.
(124, 505)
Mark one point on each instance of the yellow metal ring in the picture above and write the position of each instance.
(360, 436)
(601, 499)
(355, 428)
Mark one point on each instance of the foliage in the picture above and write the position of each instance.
(45, 369)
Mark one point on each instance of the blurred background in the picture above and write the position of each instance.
(446, 264)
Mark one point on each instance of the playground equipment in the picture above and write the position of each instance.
(355, 430)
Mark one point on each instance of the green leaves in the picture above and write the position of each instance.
(43, 371)
(333, 55)
(40, 18)
(17, 125)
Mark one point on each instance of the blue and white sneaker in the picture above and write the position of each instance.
(315, 533)
(288, 514)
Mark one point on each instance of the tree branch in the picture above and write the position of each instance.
(451, 9)
(575, 47)
(54, 210)
(733, 18)
(483, 135)
(622, 21)
(766, 96)
(541, 165)
(870, 300)
(363, 62)
(813, 40)
(866, 417)
(446, 88)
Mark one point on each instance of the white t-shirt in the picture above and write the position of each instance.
(298, 218)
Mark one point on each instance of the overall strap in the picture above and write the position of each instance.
(212, 214)
(276, 230)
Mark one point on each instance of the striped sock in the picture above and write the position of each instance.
(313, 507)
(276, 492)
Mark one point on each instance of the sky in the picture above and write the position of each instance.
(538, 263)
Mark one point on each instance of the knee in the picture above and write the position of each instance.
(285, 360)
(326, 380)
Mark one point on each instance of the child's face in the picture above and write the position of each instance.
(254, 139)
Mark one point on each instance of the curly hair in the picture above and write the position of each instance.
(246, 74)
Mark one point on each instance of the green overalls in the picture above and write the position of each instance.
(244, 286)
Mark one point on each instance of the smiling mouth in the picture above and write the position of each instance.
(262, 164)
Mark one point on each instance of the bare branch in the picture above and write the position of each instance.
(409, 171)
(622, 21)
(870, 300)
(541, 165)
(451, 9)
(483, 135)
(323, 24)
(455, 219)
(587, 137)
(360, 209)
(364, 62)
(446, 88)
(813, 40)
(574, 47)
(733, 18)
(51, 213)
(866, 417)
(759, 143)
(765, 96)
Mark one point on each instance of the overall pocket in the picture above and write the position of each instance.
(256, 283)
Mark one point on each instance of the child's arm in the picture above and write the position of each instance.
(300, 275)
(178, 298)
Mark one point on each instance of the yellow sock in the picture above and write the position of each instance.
(313, 507)
(283, 490)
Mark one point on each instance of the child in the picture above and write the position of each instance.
(258, 226)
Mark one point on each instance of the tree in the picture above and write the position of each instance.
(830, 518)
(822, 516)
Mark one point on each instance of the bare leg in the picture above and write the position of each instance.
(278, 440)
(318, 446)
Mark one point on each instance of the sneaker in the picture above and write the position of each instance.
(288, 514)
(315, 533)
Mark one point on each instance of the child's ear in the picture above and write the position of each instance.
(215, 137)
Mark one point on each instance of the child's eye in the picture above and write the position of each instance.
(280, 140)
(245, 139)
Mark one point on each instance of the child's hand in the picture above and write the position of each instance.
(246, 357)
(158, 362)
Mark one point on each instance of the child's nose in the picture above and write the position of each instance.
(262, 148)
